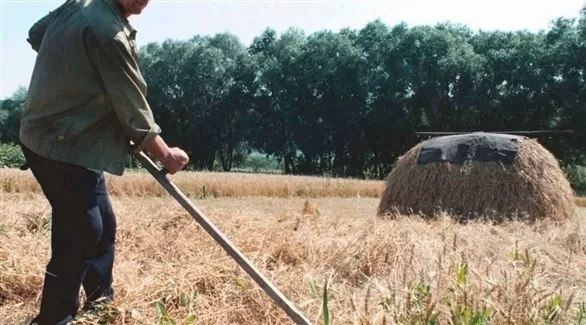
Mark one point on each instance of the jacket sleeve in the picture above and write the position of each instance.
(125, 88)
(37, 31)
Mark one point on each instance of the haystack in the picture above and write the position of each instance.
(473, 175)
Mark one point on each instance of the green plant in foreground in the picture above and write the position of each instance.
(552, 311)
(462, 275)
(419, 306)
(468, 314)
(325, 308)
(462, 307)
(524, 257)
(425, 312)
(165, 319)
(311, 283)
(101, 313)
(582, 314)
(387, 302)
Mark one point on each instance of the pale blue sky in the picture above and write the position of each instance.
(182, 19)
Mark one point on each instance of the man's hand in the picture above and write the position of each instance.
(175, 160)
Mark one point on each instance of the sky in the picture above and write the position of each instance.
(183, 19)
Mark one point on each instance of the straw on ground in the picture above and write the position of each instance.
(405, 270)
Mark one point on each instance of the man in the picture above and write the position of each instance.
(86, 105)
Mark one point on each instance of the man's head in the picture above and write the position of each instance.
(132, 7)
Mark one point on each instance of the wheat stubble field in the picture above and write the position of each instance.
(301, 232)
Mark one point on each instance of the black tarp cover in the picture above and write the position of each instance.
(477, 146)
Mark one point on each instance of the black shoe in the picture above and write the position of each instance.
(37, 321)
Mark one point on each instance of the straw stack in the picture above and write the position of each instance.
(532, 187)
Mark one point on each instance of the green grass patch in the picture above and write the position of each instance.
(11, 155)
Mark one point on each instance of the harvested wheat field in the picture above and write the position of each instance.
(212, 184)
(401, 271)
(479, 175)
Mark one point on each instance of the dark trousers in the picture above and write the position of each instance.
(83, 229)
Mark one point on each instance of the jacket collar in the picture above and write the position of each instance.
(128, 28)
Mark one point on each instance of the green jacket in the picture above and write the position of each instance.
(87, 97)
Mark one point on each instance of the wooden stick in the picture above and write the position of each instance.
(503, 132)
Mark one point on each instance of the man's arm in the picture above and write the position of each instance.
(174, 159)
(37, 31)
(126, 91)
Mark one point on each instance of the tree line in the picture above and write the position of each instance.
(348, 103)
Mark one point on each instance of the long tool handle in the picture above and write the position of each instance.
(220, 238)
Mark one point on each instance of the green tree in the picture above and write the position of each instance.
(10, 113)
(275, 89)
(330, 105)
(200, 90)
